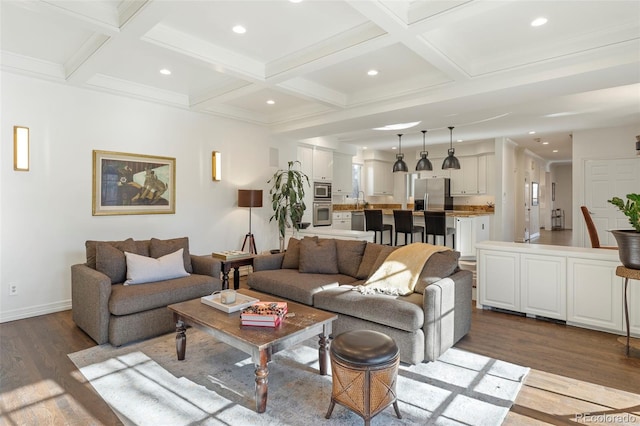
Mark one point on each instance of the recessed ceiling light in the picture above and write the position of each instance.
(372, 73)
(295, 1)
(393, 147)
(165, 71)
(459, 140)
(364, 147)
(555, 150)
(271, 102)
(545, 143)
(399, 126)
(539, 21)
(533, 132)
(239, 29)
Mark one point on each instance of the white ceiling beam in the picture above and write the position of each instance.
(315, 92)
(135, 90)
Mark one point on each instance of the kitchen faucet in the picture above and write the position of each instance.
(358, 199)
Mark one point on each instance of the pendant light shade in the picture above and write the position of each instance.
(423, 162)
(451, 162)
(400, 165)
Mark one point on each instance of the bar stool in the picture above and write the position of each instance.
(404, 224)
(373, 219)
(436, 224)
(364, 366)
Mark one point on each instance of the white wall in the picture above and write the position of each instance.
(607, 143)
(46, 212)
(561, 174)
(503, 227)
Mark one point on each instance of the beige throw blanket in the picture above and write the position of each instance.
(400, 271)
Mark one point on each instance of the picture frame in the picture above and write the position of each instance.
(126, 184)
(534, 193)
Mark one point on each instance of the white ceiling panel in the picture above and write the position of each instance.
(39, 35)
(274, 28)
(473, 64)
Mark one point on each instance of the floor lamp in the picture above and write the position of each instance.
(250, 198)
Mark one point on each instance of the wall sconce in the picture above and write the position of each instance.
(638, 145)
(21, 148)
(216, 166)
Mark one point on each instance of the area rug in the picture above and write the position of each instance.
(145, 385)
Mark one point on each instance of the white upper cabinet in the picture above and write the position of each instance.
(342, 174)
(322, 165)
(379, 177)
(464, 181)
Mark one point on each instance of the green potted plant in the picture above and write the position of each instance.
(287, 198)
(629, 239)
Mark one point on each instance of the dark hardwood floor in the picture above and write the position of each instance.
(573, 370)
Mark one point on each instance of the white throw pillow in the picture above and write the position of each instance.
(143, 269)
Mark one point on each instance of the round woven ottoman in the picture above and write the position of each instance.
(364, 366)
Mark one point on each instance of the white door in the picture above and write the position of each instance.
(605, 179)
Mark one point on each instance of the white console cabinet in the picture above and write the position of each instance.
(574, 284)
(469, 231)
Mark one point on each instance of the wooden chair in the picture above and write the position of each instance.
(593, 232)
(373, 220)
(403, 220)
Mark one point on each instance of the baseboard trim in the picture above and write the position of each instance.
(34, 311)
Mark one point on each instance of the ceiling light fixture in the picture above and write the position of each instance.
(423, 162)
(533, 132)
(555, 150)
(372, 73)
(399, 126)
(271, 102)
(538, 22)
(545, 143)
(239, 29)
(451, 162)
(400, 165)
(165, 71)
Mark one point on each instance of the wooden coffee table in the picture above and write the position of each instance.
(259, 342)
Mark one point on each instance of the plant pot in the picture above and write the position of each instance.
(628, 247)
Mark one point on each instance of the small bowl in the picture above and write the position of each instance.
(304, 225)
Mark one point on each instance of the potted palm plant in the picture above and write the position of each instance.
(629, 239)
(287, 198)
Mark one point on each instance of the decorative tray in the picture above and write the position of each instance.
(241, 302)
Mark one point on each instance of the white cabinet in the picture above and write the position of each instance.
(379, 177)
(341, 220)
(498, 278)
(469, 231)
(471, 178)
(322, 164)
(575, 284)
(543, 288)
(594, 294)
(342, 174)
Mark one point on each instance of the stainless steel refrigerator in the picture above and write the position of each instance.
(432, 194)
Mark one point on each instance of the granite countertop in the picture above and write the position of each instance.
(328, 230)
(454, 213)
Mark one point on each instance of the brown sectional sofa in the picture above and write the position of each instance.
(424, 324)
(109, 311)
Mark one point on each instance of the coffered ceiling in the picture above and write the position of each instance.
(477, 65)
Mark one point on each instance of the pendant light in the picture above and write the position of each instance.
(400, 165)
(451, 162)
(423, 162)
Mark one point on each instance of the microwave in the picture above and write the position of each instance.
(322, 191)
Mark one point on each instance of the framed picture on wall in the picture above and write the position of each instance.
(534, 193)
(133, 184)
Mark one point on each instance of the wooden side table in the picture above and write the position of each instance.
(627, 274)
(228, 265)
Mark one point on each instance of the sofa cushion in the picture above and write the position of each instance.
(159, 248)
(382, 256)
(142, 269)
(291, 258)
(439, 265)
(350, 254)
(371, 252)
(110, 260)
(130, 299)
(90, 246)
(401, 312)
(293, 285)
(318, 256)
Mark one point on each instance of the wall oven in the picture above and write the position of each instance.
(322, 213)
(321, 191)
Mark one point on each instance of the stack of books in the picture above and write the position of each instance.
(264, 314)
(230, 254)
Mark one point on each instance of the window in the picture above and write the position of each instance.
(356, 179)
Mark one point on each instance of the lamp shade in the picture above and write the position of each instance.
(249, 197)
(400, 165)
(451, 162)
(424, 163)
